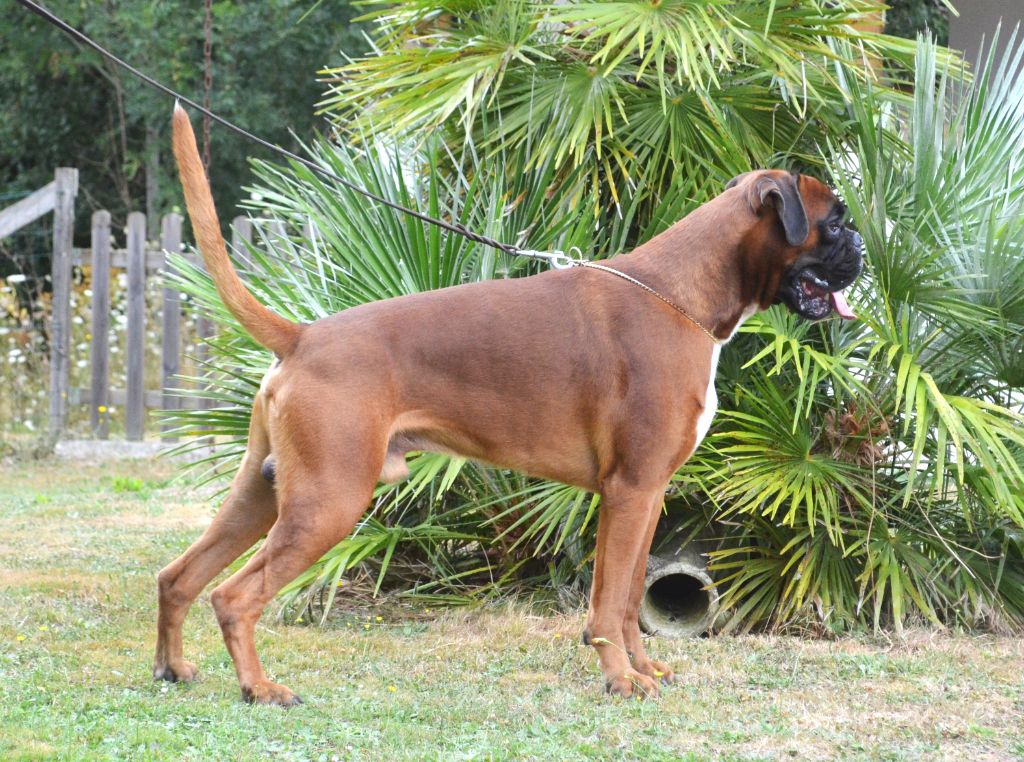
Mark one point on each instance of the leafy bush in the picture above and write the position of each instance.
(908, 18)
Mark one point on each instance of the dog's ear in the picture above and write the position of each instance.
(782, 192)
(735, 181)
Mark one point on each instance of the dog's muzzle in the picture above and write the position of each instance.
(812, 287)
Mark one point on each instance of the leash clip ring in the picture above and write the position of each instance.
(561, 261)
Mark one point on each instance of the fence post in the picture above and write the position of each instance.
(170, 241)
(135, 411)
(241, 234)
(66, 185)
(99, 345)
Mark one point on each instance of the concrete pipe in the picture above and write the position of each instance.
(680, 600)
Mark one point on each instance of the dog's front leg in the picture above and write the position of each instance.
(623, 535)
(631, 623)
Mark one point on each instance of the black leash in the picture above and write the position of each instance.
(556, 258)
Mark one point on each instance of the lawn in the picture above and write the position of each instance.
(80, 547)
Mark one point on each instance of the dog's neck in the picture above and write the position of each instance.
(717, 290)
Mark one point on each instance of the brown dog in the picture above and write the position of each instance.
(574, 375)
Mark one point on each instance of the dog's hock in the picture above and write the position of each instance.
(680, 600)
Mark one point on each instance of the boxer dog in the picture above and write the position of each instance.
(574, 375)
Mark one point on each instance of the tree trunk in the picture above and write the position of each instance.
(152, 183)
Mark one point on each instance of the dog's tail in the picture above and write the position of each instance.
(267, 328)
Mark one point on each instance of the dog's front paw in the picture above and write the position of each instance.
(266, 692)
(632, 683)
(175, 671)
(659, 670)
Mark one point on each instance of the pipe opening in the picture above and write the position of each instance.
(680, 599)
(677, 600)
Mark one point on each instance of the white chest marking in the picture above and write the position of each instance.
(710, 395)
(710, 399)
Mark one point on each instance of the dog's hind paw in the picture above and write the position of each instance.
(266, 692)
(178, 671)
(632, 684)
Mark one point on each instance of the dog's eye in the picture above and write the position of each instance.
(835, 228)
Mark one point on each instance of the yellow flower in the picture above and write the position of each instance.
(392, 688)
(44, 628)
(102, 408)
(341, 582)
(380, 619)
(20, 638)
(558, 634)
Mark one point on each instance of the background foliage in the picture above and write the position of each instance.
(63, 105)
(907, 18)
(860, 474)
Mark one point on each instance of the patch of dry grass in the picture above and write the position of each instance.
(82, 546)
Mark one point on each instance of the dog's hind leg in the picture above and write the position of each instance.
(319, 503)
(247, 514)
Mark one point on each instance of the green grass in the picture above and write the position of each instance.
(79, 551)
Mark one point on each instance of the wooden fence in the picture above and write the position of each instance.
(57, 197)
(140, 261)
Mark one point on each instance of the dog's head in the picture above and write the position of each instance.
(799, 244)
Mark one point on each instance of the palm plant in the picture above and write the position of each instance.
(634, 91)
(887, 478)
(860, 474)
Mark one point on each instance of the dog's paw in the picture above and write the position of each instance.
(632, 684)
(177, 671)
(659, 670)
(266, 692)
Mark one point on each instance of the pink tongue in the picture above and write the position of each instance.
(840, 305)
